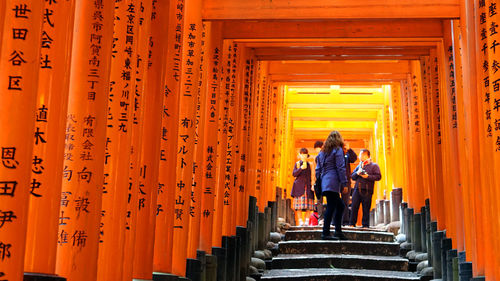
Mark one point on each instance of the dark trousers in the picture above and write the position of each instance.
(359, 198)
(333, 205)
(346, 197)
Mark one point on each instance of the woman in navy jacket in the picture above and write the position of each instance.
(331, 168)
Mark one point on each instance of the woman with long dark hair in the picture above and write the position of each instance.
(331, 169)
(303, 196)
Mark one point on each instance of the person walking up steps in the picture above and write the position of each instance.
(331, 170)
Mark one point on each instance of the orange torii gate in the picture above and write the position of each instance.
(177, 116)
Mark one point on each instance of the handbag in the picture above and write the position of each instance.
(318, 190)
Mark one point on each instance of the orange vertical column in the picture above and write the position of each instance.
(196, 192)
(253, 131)
(456, 126)
(212, 101)
(190, 61)
(402, 175)
(426, 148)
(447, 84)
(150, 148)
(467, 116)
(137, 115)
(405, 110)
(263, 96)
(238, 189)
(248, 159)
(273, 138)
(168, 153)
(492, 82)
(167, 191)
(437, 207)
(19, 67)
(244, 95)
(51, 108)
(118, 142)
(230, 125)
(83, 171)
(486, 198)
(415, 133)
(221, 147)
(451, 175)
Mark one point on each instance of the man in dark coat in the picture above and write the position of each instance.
(365, 175)
(350, 157)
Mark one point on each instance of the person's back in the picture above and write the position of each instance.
(331, 170)
(333, 175)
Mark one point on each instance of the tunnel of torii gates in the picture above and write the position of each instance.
(133, 132)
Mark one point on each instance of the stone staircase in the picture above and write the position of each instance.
(366, 255)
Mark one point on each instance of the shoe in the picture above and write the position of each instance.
(328, 237)
(366, 226)
(340, 236)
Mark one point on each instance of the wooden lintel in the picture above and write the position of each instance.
(339, 67)
(336, 57)
(339, 77)
(381, 28)
(321, 10)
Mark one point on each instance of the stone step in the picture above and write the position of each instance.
(327, 274)
(340, 261)
(317, 227)
(350, 234)
(339, 247)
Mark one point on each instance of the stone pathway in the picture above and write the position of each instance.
(367, 255)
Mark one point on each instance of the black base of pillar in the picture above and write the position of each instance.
(193, 269)
(28, 276)
(221, 255)
(465, 271)
(164, 277)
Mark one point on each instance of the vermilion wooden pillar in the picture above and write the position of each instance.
(168, 153)
(438, 196)
(241, 159)
(19, 66)
(405, 110)
(468, 118)
(249, 91)
(78, 236)
(427, 148)
(213, 60)
(118, 141)
(253, 129)
(447, 82)
(137, 116)
(229, 125)
(486, 198)
(400, 180)
(456, 125)
(50, 118)
(189, 71)
(449, 124)
(223, 112)
(196, 190)
(492, 83)
(262, 86)
(85, 134)
(417, 127)
(150, 149)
